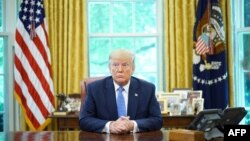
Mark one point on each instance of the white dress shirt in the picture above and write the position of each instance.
(125, 95)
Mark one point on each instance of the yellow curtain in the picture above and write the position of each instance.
(179, 17)
(68, 43)
(226, 11)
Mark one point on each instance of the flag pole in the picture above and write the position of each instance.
(209, 28)
(211, 49)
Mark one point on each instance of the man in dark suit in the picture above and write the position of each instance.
(120, 103)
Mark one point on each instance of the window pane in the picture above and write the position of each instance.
(111, 19)
(247, 89)
(117, 17)
(1, 93)
(127, 43)
(3, 136)
(1, 55)
(122, 17)
(102, 11)
(144, 49)
(247, 118)
(241, 53)
(1, 84)
(246, 51)
(247, 13)
(151, 77)
(98, 56)
(246, 44)
(1, 102)
(246, 67)
(1, 15)
(145, 17)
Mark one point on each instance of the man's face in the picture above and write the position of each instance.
(121, 70)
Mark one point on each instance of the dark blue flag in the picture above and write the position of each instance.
(209, 55)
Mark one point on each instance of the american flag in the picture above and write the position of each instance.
(202, 45)
(32, 70)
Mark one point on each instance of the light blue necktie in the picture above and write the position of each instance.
(120, 103)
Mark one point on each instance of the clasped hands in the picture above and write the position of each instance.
(121, 126)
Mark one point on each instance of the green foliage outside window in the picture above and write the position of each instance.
(122, 17)
(1, 76)
(1, 84)
(123, 24)
(246, 67)
(247, 13)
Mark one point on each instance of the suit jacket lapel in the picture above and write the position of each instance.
(132, 99)
(111, 99)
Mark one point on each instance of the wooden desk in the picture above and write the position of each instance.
(71, 121)
(68, 122)
(160, 135)
(82, 136)
(177, 121)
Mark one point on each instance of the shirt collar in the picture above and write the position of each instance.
(125, 87)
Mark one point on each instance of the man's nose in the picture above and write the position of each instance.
(120, 68)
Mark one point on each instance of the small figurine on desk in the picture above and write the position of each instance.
(62, 104)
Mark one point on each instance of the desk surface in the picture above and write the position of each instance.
(161, 135)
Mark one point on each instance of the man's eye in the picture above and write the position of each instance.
(125, 65)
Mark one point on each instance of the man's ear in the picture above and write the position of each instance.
(110, 69)
(133, 69)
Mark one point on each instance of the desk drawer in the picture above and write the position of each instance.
(68, 123)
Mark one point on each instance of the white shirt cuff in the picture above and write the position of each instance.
(106, 128)
(136, 129)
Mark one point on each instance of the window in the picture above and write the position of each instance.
(1, 69)
(7, 26)
(131, 24)
(241, 37)
(1, 82)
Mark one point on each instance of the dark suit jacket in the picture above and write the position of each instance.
(100, 105)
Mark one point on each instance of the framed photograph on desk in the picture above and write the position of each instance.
(171, 99)
(182, 91)
(193, 94)
(198, 105)
(163, 105)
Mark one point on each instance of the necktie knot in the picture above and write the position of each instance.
(120, 90)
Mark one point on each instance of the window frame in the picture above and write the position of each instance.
(11, 109)
(237, 40)
(158, 35)
(5, 75)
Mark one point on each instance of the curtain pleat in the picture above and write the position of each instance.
(68, 43)
(179, 20)
(226, 11)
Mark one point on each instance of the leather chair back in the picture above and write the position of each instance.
(83, 86)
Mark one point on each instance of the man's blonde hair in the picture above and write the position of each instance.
(122, 53)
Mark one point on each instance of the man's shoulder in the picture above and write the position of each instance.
(101, 82)
(141, 81)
